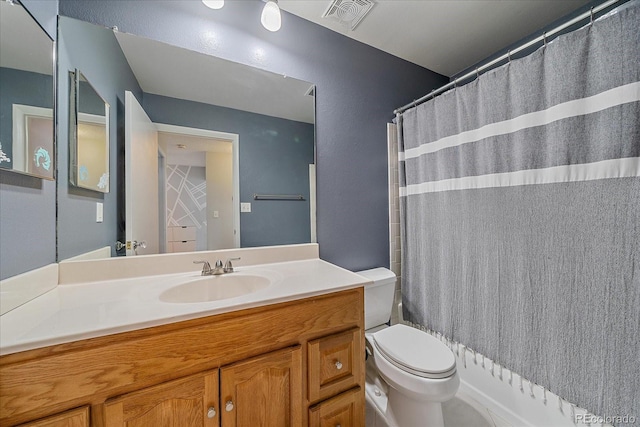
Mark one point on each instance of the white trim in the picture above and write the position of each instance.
(234, 138)
(579, 107)
(92, 118)
(312, 202)
(616, 168)
(20, 112)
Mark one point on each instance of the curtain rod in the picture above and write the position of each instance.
(507, 55)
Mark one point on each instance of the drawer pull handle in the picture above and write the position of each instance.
(211, 412)
(338, 367)
(228, 406)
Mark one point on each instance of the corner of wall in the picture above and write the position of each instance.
(395, 255)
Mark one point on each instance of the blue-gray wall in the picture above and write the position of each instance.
(274, 158)
(358, 87)
(28, 204)
(97, 54)
(45, 12)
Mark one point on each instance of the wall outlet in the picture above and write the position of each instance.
(245, 207)
(99, 212)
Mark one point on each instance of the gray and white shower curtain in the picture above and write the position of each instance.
(520, 215)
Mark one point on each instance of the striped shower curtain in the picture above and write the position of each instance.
(520, 215)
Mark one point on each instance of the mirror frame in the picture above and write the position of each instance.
(75, 79)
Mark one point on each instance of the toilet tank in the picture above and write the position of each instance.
(378, 296)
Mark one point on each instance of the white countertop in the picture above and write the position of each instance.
(73, 312)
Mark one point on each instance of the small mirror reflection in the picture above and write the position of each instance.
(26, 89)
(91, 167)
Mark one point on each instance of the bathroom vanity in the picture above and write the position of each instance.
(288, 361)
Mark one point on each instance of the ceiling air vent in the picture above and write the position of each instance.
(348, 12)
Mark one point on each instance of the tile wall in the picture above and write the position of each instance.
(394, 215)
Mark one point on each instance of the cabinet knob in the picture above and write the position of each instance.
(228, 406)
(338, 365)
(211, 412)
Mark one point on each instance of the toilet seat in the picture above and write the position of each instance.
(415, 352)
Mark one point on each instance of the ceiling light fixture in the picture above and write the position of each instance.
(213, 4)
(271, 19)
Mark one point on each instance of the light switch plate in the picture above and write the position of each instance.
(99, 212)
(216, 214)
(245, 207)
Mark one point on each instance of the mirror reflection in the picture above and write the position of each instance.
(89, 131)
(202, 140)
(223, 133)
(26, 94)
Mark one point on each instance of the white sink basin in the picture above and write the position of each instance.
(214, 288)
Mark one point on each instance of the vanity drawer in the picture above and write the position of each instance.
(181, 233)
(345, 410)
(187, 246)
(334, 364)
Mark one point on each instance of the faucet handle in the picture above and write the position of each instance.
(228, 267)
(206, 267)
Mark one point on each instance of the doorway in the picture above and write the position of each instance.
(201, 185)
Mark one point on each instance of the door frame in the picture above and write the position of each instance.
(234, 138)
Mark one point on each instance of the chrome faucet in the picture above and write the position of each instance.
(228, 267)
(218, 268)
(206, 268)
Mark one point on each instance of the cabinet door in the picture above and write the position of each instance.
(263, 391)
(74, 418)
(344, 410)
(187, 402)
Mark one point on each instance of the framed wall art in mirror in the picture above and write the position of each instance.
(26, 95)
(89, 135)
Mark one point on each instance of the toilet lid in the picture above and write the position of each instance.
(415, 351)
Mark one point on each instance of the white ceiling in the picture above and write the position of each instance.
(445, 36)
(175, 72)
(24, 45)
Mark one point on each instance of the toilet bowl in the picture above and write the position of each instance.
(409, 372)
(420, 372)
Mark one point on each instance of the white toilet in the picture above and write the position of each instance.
(409, 372)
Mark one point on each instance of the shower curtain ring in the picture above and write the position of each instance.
(544, 39)
(509, 55)
(591, 10)
(477, 73)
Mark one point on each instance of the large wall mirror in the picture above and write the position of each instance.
(26, 94)
(216, 154)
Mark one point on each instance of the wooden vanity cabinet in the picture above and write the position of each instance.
(263, 391)
(187, 402)
(296, 363)
(344, 410)
(73, 418)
